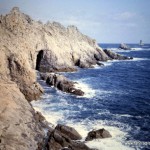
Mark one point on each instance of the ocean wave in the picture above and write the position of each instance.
(132, 49)
(119, 50)
(110, 62)
(136, 48)
(51, 116)
(97, 67)
(139, 59)
(54, 116)
(114, 143)
(88, 91)
(46, 96)
(125, 115)
(140, 49)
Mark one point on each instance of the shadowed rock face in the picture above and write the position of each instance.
(38, 60)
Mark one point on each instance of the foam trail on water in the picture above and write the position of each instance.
(136, 49)
(140, 59)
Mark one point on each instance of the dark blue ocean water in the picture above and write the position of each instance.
(117, 97)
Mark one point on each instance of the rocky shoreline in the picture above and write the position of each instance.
(64, 137)
(61, 83)
(25, 46)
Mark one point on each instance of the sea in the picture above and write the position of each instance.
(117, 98)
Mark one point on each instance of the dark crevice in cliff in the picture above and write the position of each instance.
(38, 59)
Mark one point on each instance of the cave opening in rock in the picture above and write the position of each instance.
(38, 59)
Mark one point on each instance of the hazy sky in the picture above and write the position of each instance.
(105, 20)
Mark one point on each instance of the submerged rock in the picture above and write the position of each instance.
(124, 46)
(98, 134)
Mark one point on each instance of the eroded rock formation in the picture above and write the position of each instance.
(26, 45)
(51, 42)
(61, 83)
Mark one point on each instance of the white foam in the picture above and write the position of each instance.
(46, 96)
(97, 66)
(140, 49)
(136, 49)
(119, 50)
(132, 49)
(140, 59)
(51, 116)
(108, 63)
(88, 91)
(114, 143)
(126, 115)
(84, 126)
(113, 49)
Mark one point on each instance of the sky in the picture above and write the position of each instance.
(107, 21)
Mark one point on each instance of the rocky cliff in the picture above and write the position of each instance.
(26, 45)
(60, 48)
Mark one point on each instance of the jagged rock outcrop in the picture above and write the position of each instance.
(22, 34)
(61, 83)
(61, 139)
(124, 46)
(69, 131)
(116, 56)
